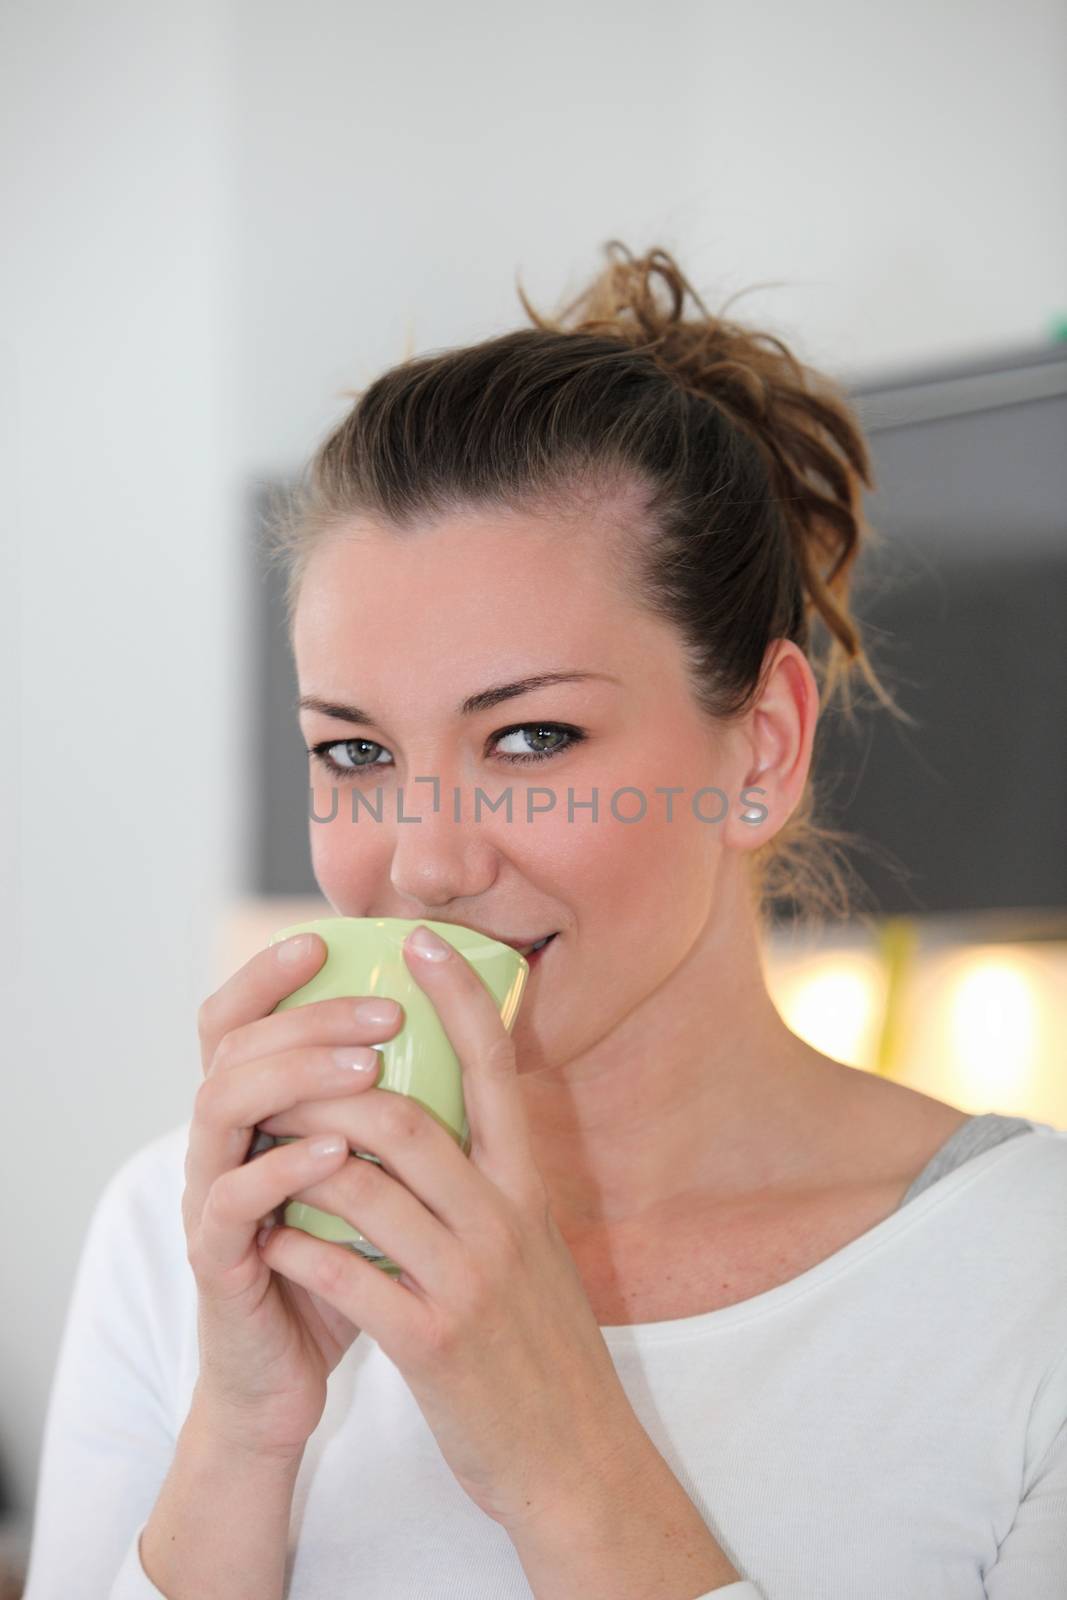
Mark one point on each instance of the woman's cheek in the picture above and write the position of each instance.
(344, 855)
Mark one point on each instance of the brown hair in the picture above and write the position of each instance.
(751, 467)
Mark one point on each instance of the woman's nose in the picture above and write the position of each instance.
(437, 859)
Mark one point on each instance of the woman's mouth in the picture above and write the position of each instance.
(534, 954)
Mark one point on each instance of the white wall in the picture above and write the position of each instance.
(899, 170)
(117, 366)
(219, 216)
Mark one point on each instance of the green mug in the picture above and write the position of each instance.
(365, 957)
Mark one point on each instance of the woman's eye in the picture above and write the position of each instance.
(527, 735)
(353, 750)
(536, 731)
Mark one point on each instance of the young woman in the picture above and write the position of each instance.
(704, 1310)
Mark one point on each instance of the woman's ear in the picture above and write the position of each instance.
(779, 734)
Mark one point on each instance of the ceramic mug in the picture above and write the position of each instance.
(365, 957)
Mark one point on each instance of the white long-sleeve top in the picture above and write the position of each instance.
(889, 1425)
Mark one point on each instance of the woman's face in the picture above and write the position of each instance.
(403, 630)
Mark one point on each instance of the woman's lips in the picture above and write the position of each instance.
(535, 955)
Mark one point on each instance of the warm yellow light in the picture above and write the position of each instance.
(992, 1004)
(983, 1028)
(834, 1003)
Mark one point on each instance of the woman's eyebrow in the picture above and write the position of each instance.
(467, 708)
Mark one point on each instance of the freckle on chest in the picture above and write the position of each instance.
(704, 1269)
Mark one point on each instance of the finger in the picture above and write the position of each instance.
(500, 1139)
(255, 989)
(388, 1213)
(240, 1199)
(348, 1019)
(414, 1150)
(230, 1104)
(393, 1314)
(214, 1147)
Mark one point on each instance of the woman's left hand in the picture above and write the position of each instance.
(488, 1323)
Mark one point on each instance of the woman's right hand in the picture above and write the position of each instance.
(267, 1346)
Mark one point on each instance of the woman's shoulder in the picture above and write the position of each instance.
(151, 1170)
(899, 1134)
(136, 1228)
(133, 1277)
(1044, 1149)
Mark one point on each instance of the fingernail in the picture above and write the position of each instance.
(356, 1058)
(424, 942)
(330, 1144)
(292, 950)
(378, 1013)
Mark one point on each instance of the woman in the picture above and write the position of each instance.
(705, 1310)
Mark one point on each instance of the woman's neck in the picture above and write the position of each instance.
(702, 1091)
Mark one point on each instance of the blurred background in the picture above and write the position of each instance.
(221, 216)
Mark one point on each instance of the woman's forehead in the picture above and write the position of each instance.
(463, 576)
(407, 631)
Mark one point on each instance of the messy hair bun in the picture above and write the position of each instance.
(814, 452)
(751, 469)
